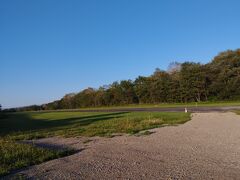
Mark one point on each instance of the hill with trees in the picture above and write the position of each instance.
(183, 82)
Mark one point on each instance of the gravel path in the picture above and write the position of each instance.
(208, 147)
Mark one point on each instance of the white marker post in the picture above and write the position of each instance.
(186, 110)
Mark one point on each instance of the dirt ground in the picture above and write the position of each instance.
(207, 147)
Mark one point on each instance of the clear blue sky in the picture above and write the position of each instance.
(52, 47)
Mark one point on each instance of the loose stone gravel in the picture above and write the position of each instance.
(207, 147)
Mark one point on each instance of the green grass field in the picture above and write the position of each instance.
(33, 125)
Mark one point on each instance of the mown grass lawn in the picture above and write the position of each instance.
(33, 125)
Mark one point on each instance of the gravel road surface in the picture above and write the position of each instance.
(207, 147)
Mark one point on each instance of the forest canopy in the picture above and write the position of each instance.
(181, 83)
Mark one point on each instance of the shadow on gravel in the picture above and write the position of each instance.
(51, 146)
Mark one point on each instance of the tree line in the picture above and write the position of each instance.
(181, 83)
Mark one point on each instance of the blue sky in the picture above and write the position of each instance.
(52, 47)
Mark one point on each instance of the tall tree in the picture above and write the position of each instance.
(142, 89)
(160, 84)
(225, 75)
(193, 82)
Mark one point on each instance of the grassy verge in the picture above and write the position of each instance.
(14, 156)
(33, 125)
(19, 126)
(237, 112)
(132, 123)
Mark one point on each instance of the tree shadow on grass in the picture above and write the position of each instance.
(23, 122)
